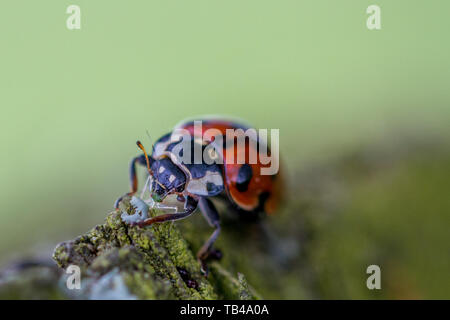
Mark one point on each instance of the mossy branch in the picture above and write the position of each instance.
(150, 263)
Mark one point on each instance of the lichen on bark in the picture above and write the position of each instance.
(155, 262)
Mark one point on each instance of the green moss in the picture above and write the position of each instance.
(230, 287)
(148, 260)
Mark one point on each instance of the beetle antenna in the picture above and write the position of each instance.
(139, 144)
(149, 138)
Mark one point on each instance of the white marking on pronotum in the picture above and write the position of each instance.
(161, 169)
(171, 178)
(199, 186)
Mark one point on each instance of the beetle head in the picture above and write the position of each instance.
(167, 179)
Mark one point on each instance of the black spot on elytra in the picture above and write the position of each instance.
(244, 177)
(263, 198)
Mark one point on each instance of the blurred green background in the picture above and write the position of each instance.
(73, 102)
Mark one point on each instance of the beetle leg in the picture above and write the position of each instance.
(211, 215)
(189, 207)
(133, 178)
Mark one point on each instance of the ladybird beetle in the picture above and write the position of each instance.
(195, 182)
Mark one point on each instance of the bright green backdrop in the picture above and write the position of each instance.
(74, 102)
